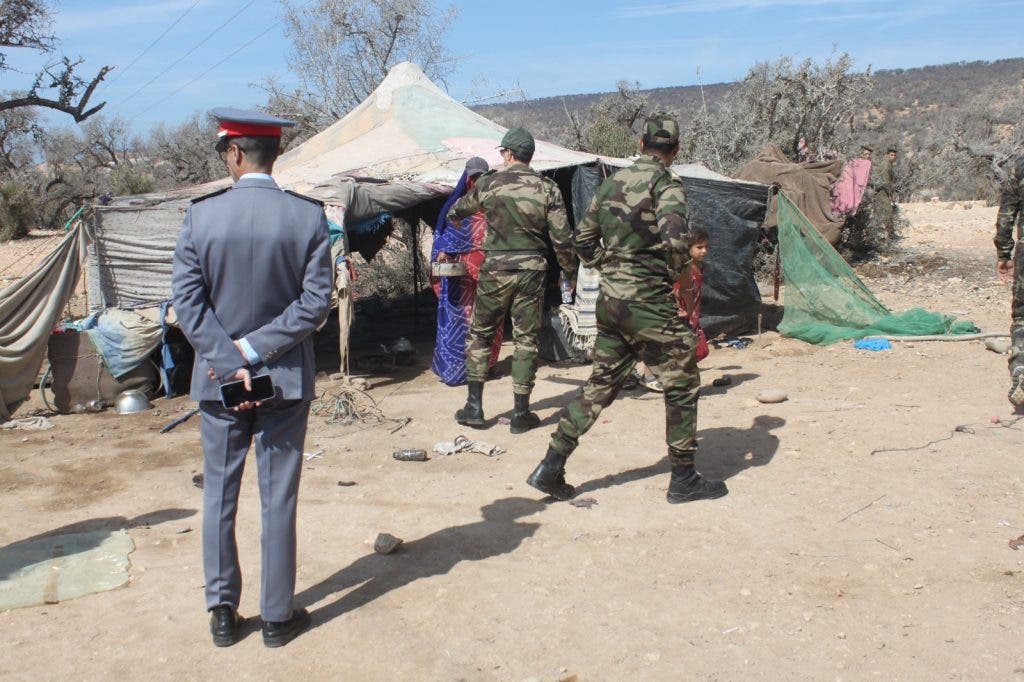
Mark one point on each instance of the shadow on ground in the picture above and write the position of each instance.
(374, 575)
(722, 453)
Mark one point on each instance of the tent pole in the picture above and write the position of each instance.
(778, 271)
(415, 275)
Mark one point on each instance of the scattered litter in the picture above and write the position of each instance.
(349, 405)
(180, 420)
(319, 454)
(410, 455)
(963, 428)
(734, 628)
(739, 343)
(386, 543)
(28, 424)
(583, 502)
(346, 484)
(1003, 522)
(995, 420)
(722, 381)
(504, 421)
(1016, 544)
(182, 531)
(198, 481)
(872, 344)
(772, 395)
(1000, 345)
(463, 444)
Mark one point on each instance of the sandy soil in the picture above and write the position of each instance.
(864, 537)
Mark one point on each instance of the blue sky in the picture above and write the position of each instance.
(547, 48)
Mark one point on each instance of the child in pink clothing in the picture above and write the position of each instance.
(687, 293)
(687, 289)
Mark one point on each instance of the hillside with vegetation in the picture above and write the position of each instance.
(954, 124)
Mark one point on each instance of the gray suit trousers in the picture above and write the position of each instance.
(279, 430)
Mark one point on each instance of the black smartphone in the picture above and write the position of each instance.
(233, 394)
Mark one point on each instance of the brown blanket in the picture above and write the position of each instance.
(806, 184)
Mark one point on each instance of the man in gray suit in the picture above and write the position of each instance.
(252, 281)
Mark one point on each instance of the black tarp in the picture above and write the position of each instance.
(732, 214)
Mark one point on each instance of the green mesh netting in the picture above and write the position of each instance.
(826, 301)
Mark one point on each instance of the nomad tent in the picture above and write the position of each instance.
(402, 150)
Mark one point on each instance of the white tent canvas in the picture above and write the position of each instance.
(408, 132)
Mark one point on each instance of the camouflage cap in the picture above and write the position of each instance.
(520, 142)
(661, 128)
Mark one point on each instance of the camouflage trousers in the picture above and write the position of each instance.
(1017, 309)
(882, 220)
(519, 294)
(628, 331)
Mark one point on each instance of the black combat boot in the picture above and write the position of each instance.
(687, 485)
(549, 477)
(473, 413)
(522, 419)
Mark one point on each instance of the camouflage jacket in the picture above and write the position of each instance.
(636, 232)
(883, 177)
(1011, 208)
(521, 206)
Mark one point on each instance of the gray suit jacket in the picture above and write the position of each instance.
(253, 261)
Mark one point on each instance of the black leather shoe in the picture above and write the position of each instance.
(551, 480)
(225, 624)
(279, 634)
(687, 485)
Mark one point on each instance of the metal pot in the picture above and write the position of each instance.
(131, 401)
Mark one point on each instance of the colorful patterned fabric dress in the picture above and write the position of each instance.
(456, 295)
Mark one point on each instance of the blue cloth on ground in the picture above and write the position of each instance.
(872, 344)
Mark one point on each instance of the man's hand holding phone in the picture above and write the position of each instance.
(245, 391)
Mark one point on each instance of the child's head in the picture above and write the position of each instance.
(699, 244)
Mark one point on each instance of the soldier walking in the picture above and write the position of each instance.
(636, 233)
(521, 207)
(1010, 266)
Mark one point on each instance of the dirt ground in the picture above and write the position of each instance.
(865, 535)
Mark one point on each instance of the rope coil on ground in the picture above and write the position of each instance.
(349, 405)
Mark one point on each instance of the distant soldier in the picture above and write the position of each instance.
(636, 233)
(1010, 265)
(883, 205)
(522, 207)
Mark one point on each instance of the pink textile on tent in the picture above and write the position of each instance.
(849, 189)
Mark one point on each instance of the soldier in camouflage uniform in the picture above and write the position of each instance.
(636, 233)
(521, 207)
(1010, 264)
(883, 204)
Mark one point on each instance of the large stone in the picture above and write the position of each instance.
(772, 395)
